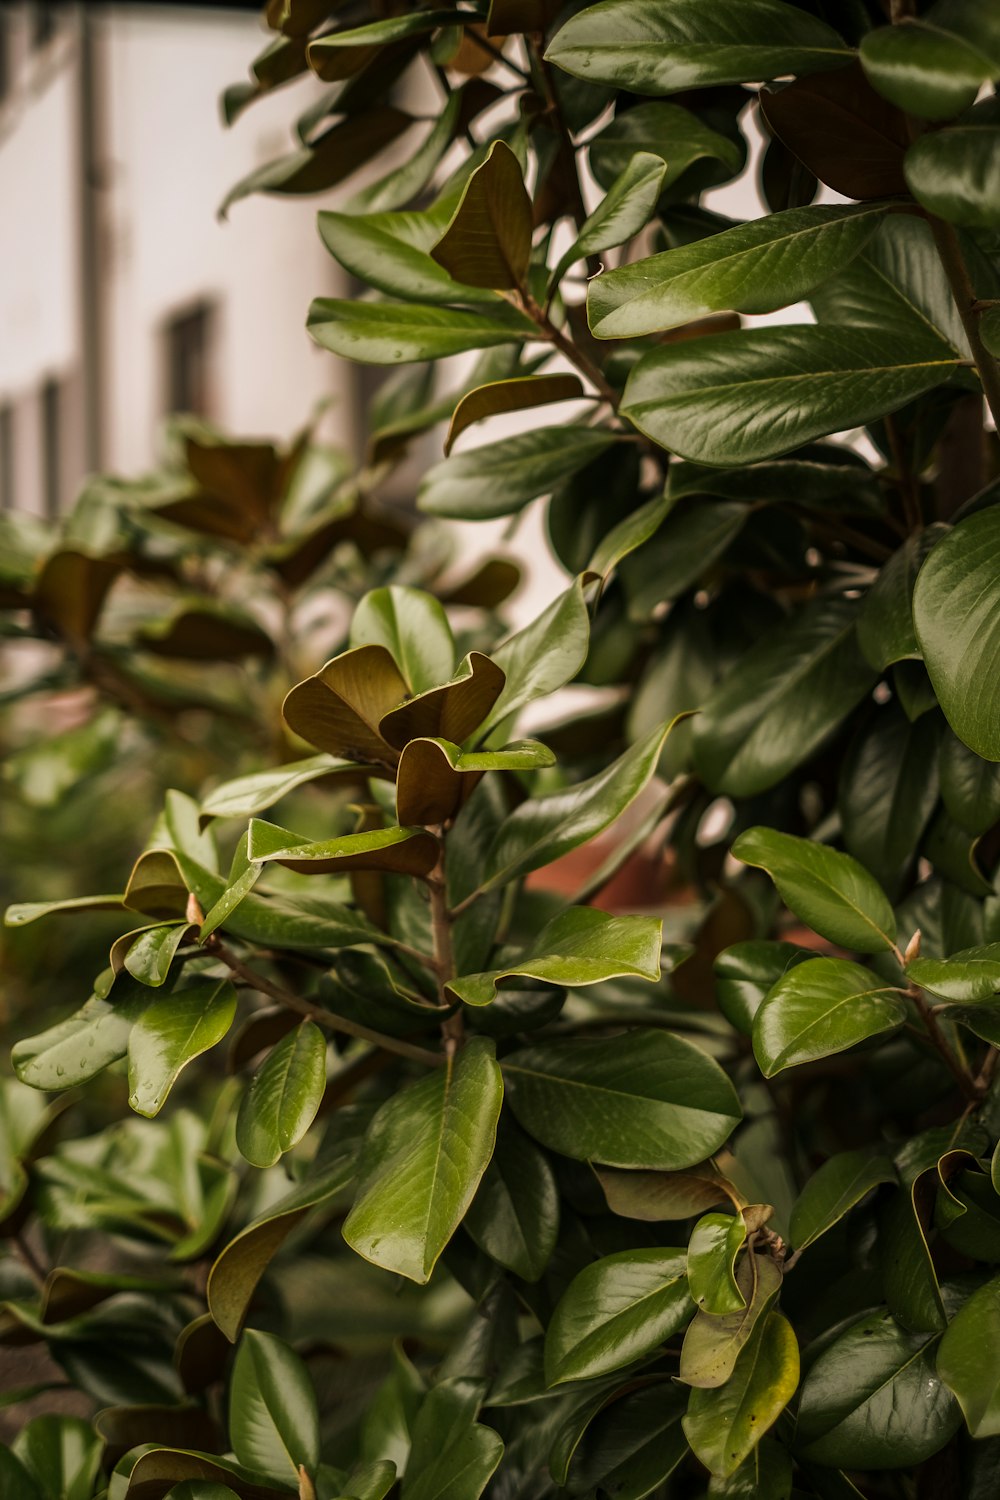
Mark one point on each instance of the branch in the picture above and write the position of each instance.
(318, 1013)
(949, 251)
(969, 1085)
(453, 1026)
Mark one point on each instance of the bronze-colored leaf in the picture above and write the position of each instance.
(488, 242)
(205, 634)
(450, 712)
(518, 394)
(506, 16)
(491, 583)
(340, 709)
(71, 589)
(156, 886)
(847, 135)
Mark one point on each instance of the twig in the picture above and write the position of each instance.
(453, 1025)
(949, 251)
(318, 1013)
(958, 1070)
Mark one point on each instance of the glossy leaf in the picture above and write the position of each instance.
(273, 1422)
(627, 208)
(712, 1343)
(643, 1099)
(873, 1394)
(953, 172)
(631, 1446)
(247, 795)
(735, 398)
(451, 711)
(176, 1028)
(821, 1007)
(659, 47)
(413, 628)
(514, 1216)
(151, 953)
(754, 268)
(403, 850)
(283, 1097)
(963, 1361)
(498, 479)
(391, 252)
(614, 1312)
(715, 1243)
(834, 1190)
(77, 1049)
(581, 946)
(488, 242)
(542, 657)
(326, 161)
(724, 1424)
(970, 786)
(390, 333)
(436, 776)
(339, 708)
(677, 135)
(452, 1456)
(543, 828)
(965, 978)
(347, 51)
(520, 393)
(61, 1454)
(957, 621)
(830, 891)
(21, 913)
(653, 1196)
(744, 974)
(925, 67)
(422, 1161)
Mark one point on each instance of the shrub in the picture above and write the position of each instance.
(719, 1216)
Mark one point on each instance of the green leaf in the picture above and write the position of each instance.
(885, 625)
(956, 615)
(452, 1456)
(343, 53)
(614, 1312)
(325, 162)
(61, 1454)
(16, 1482)
(724, 1424)
(828, 890)
(413, 628)
(580, 946)
(712, 1343)
(820, 1007)
(407, 851)
(404, 183)
(716, 1241)
(247, 795)
(965, 1363)
(745, 972)
(488, 242)
(283, 1097)
(273, 1421)
(665, 46)
(75, 1050)
(753, 268)
(889, 788)
(627, 208)
(149, 957)
(664, 130)
(514, 1216)
(520, 393)
(422, 1161)
(632, 1445)
(20, 914)
(874, 1395)
(765, 1474)
(177, 1027)
(234, 1276)
(970, 786)
(542, 657)
(954, 173)
(642, 1099)
(966, 978)
(292, 922)
(927, 66)
(692, 539)
(630, 533)
(834, 1190)
(734, 398)
(543, 828)
(498, 479)
(391, 252)
(391, 333)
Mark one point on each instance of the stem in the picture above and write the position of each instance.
(958, 1070)
(318, 1013)
(907, 480)
(576, 356)
(949, 251)
(31, 1261)
(453, 1026)
(484, 46)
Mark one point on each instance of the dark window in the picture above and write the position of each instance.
(43, 24)
(189, 341)
(6, 457)
(51, 440)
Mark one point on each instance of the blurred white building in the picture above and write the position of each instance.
(122, 296)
